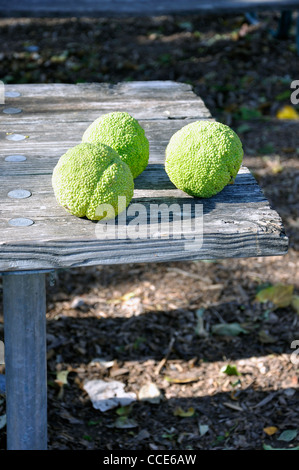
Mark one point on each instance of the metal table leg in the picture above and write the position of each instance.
(24, 297)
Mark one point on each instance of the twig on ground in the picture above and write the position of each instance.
(165, 358)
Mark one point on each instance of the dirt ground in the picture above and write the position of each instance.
(157, 324)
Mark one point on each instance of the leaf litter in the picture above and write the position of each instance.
(107, 395)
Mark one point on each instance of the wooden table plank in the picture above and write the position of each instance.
(237, 222)
(118, 8)
(45, 143)
(151, 89)
(65, 134)
(144, 100)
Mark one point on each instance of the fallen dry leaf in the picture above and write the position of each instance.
(107, 395)
(274, 164)
(181, 380)
(287, 112)
(150, 393)
(279, 294)
(228, 329)
(184, 414)
(266, 338)
(270, 430)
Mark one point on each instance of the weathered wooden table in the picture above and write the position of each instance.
(38, 124)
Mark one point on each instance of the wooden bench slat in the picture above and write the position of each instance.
(237, 217)
(142, 109)
(55, 255)
(118, 8)
(152, 180)
(47, 143)
(144, 100)
(151, 89)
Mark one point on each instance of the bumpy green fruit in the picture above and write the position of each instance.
(124, 134)
(203, 157)
(89, 175)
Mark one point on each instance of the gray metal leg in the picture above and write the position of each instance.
(24, 297)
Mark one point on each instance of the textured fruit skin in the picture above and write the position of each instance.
(203, 157)
(124, 134)
(89, 175)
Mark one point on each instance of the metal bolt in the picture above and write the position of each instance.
(12, 94)
(19, 194)
(20, 222)
(12, 110)
(15, 137)
(15, 158)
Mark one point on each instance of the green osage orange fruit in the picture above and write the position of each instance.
(203, 157)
